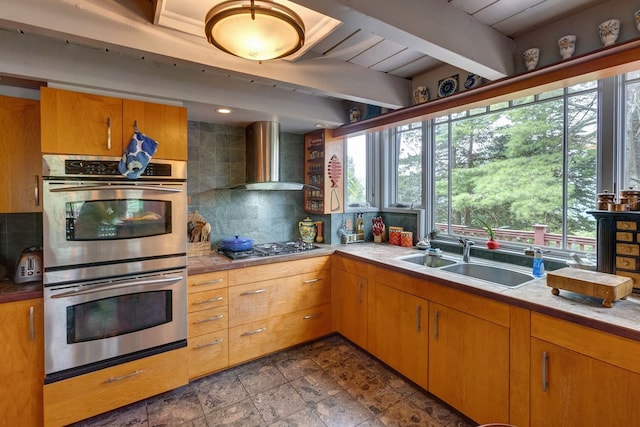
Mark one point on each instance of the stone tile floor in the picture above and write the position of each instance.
(329, 382)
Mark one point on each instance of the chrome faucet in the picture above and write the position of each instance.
(466, 248)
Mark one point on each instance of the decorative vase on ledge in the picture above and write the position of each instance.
(493, 244)
(567, 45)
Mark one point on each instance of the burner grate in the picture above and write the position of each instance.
(270, 249)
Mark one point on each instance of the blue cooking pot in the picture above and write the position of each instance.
(236, 244)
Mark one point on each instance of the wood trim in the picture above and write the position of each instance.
(604, 62)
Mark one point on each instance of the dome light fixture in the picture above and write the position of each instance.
(259, 30)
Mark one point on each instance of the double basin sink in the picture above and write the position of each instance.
(478, 270)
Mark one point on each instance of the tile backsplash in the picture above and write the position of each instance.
(18, 231)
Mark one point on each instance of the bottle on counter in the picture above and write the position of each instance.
(359, 223)
(538, 263)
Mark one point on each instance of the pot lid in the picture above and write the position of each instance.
(238, 240)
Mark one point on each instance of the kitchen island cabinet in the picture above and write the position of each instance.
(581, 376)
(20, 155)
(89, 124)
(22, 350)
(278, 305)
(208, 323)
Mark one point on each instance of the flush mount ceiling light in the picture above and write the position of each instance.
(259, 30)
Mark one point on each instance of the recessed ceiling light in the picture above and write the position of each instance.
(223, 110)
(320, 125)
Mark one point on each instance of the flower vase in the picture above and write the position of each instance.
(493, 244)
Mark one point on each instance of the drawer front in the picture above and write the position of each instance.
(626, 263)
(624, 236)
(270, 298)
(207, 281)
(87, 395)
(257, 339)
(208, 299)
(625, 249)
(207, 321)
(208, 353)
(277, 270)
(626, 225)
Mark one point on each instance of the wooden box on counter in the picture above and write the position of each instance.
(323, 168)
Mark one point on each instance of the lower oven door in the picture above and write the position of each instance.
(92, 325)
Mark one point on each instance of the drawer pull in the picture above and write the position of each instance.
(312, 316)
(209, 344)
(210, 319)
(208, 282)
(312, 280)
(257, 291)
(256, 331)
(123, 377)
(216, 299)
(545, 383)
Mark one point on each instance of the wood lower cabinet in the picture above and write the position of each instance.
(399, 333)
(469, 363)
(581, 376)
(20, 155)
(279, 305)
(350, 299)
(90, 124)
(87, 395)
(22, 352)
(208, 323)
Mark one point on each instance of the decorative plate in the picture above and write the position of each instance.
(473, 80)
(448, 86)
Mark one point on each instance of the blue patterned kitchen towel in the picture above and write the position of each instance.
(137, 155)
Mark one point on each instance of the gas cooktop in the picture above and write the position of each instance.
(270, 249)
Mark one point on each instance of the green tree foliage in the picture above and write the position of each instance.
(509, 167)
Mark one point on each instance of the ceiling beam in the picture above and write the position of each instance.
(433, 27)
(122, 26)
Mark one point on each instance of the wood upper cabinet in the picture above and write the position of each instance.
(20, 155)
(89, 124)
(350, 299)
(22, 352)
(581, 376)
(399, 334)
(469, 363)
(166, 124)
(80, 123)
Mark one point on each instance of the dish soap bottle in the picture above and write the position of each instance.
(538, 263)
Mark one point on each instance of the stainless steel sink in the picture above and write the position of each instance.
(489, 273)
(428, 260)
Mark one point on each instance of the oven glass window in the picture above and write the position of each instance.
(117, 219)
(118, 315)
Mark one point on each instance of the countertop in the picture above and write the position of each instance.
(622, 319)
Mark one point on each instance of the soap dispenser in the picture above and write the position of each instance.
(538, 263)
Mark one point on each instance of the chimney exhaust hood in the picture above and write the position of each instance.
(263, 159)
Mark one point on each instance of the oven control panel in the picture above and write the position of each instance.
(110, 168)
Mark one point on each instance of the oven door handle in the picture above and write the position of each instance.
(115, 187)
(160, 282)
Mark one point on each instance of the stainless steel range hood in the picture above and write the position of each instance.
(263, 159)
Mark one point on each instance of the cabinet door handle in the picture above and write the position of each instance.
(312, 316)
(208, 282)
(312, 280)
(209, 344)
(360, 292)
(436, 316)
(36, 191)
(108, 133)
(209, 319)
(255, 331)
(544, 371)
(123, 377)
(32, 326)
(418, 315)
(216, 299)
(257, 291)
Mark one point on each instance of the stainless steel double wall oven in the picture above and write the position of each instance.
(115, 277)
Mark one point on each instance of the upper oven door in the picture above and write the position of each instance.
(93, 222)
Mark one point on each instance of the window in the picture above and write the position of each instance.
(356, 174)
(409, 149)
(529, 170)
(632, 130)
